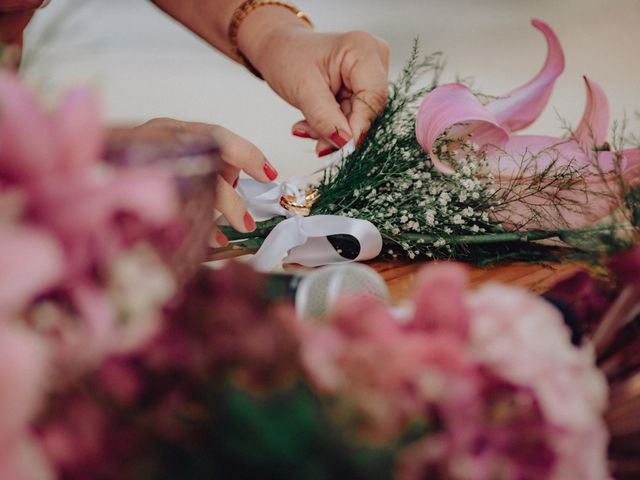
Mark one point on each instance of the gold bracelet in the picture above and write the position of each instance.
(242, 12)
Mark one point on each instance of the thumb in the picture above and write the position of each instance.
(323, 113)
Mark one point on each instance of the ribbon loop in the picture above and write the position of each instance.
(303, 240)
(299, 239)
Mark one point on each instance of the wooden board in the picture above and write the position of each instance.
(400, 275)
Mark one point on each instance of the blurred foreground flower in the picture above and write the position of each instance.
(490, 375)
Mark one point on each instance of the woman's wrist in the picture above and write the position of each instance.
(256, 33)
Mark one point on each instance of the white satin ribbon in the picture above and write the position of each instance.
(303, 240)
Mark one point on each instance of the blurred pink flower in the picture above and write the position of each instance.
(378, 372)
(453, 112)
(492, 374)
(57, 160)
(23, 384)
(74, 439)
(443, 308)
(94, 210)
(31, 260)
(522, 339)
(23, 379)
(225, 323)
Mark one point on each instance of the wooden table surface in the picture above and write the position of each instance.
(400, 275)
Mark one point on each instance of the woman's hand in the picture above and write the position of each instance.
(337, 80)
(236, 154)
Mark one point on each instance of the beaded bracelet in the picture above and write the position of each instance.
(242, 12)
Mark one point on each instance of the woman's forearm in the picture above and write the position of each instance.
(209, 19)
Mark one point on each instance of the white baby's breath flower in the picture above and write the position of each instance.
(430, 217)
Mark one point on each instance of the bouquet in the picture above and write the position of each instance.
(441, 174)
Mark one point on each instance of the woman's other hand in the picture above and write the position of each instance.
(236, 154)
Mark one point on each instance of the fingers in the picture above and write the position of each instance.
(323, 113)
(218, 239)
(240, 153)
(341, 100)
(302, 129)
(236, 153)
(230, 204)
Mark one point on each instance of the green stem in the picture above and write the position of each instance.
(512, 236)
(262, 230)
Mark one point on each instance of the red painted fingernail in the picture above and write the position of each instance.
(221, 238)
(249, 222)
(361, 139)
(326, 151)
(301, 133)
(269, 171)
(339, 138)
(235, 182)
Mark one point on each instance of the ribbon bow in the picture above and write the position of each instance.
(301, 239)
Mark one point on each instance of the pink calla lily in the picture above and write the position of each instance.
(452, 112)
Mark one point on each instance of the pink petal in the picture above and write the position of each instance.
(31, 262)
(99, 323)
(585, 203)
(454, 109)
(525, 155)
(79, 132)
(594, 126)
(80, 207)
(523, 106)
(27, 146)
(439, 299)
(22, 379)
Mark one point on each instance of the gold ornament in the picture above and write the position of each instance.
(300, 208)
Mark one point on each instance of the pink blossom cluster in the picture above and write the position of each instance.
(490, 375)
(110, 422)
(68, 257)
